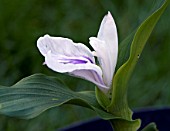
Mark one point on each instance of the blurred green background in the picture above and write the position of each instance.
(22, 22)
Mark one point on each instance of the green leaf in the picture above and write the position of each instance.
(37, 93)
(125, 125)
(32, 95)
(121, 78)
(119, 105)
(150, 127)
(103, 99)
(124, 48)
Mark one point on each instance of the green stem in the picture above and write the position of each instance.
(124, 125)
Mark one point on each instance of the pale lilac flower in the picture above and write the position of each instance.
(63, 55)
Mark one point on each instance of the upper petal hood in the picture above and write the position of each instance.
(65, 46)
(106, 47)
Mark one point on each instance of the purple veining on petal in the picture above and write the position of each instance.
(98, 78)
(88, 59)
(75, 60)
(90, 75)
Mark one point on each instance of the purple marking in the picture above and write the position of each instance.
(88, 59)
(98, 78)
(73, 61)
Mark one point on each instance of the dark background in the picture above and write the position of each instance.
(22, 22)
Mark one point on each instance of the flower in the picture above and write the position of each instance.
(63, 55)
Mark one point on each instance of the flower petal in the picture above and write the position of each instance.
(63, 55)
(93, 77)
(104, 57)
(58, 64)
(63, 46)
(106, 47)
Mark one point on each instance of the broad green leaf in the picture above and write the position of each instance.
(37, 93)
(32, 95)
(119, 105)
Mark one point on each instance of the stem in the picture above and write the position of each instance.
(124, 125)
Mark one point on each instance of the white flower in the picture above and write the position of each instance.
(63, 55)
